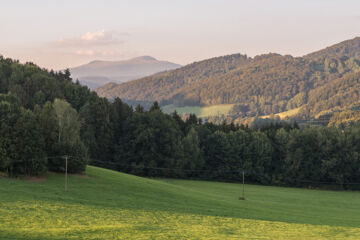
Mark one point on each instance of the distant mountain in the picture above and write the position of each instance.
(98, 73)
(327, 80)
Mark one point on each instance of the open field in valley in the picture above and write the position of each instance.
(104, 204)
(206, 111)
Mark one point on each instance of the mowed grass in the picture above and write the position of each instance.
(111, 205)
(207, 111)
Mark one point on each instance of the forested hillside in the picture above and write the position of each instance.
(163, 85)
(39, 120)
(348, 48)
(263, 85)
(44, 116)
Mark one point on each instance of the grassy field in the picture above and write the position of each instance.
(285, 114)
(219, 110)
(207, 111)
(109, 205)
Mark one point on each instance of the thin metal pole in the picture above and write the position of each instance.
(243, 193)
(66, 163)
(243, 188)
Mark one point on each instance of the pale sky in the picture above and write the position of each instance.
(61, 33)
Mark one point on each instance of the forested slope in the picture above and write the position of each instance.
(262, 85)
(45, 116)
(349, 48)
(161, 86)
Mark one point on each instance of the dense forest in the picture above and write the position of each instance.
(161, 86)
(348, 48)
(320, 83)
(45, 116)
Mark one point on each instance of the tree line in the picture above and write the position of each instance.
(45, 115)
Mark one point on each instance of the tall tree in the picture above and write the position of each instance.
(69, 142)
(49, 127)
(9, 113)
(193, 158)
(31, 157)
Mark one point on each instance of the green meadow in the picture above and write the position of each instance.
(219, 110)
(283, 115)
(104, 204)
(206, 111)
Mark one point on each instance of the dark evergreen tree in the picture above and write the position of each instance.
(155, 107)
(30, 155)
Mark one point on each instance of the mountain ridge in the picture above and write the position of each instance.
(98, 72)
(263, 85)
(348, 48)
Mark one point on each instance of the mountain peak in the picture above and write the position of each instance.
(98, 72)
(95, 62)
(145, 58)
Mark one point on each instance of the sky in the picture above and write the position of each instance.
(62, 34)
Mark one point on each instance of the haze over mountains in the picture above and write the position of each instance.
(323, 81)
(98, 73)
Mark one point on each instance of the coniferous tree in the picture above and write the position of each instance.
(155, 107)
(30, 155)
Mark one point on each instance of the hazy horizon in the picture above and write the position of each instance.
(75, 33)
